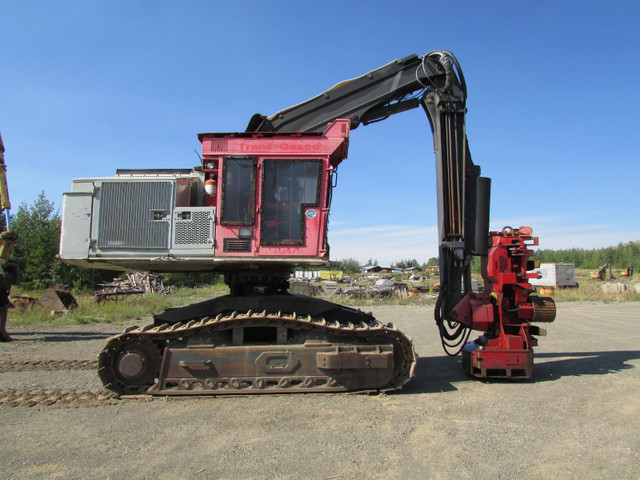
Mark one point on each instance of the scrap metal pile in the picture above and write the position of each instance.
(380, 289)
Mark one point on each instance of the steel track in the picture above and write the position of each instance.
(404, 362)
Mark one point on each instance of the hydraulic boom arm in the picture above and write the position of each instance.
(435, 82)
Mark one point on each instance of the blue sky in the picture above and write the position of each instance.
(87, 87)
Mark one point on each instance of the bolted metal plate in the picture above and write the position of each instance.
(306, 367)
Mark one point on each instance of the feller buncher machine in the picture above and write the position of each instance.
(258, 208)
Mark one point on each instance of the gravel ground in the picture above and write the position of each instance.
(578, 418)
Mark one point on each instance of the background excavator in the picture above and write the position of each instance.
(258, 208)
(601, 274)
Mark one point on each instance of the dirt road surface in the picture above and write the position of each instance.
(578, 418)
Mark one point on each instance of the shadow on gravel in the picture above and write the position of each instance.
(59, 336)
(438, 374)
(581, 363)
(435, 374)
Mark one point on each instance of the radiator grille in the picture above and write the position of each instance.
(193, 227)
(134, 214)
(236, 245)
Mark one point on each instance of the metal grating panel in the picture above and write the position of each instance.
(220, 145)
(135, 214)
(193, 227)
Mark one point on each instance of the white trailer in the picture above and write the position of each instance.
(557, 275)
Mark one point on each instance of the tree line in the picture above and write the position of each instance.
(619, 256)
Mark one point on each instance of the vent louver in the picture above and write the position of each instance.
(237, 245)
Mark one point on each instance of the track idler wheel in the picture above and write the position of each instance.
(134, 367)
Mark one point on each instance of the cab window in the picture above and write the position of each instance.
(288, 186)
(238, 191)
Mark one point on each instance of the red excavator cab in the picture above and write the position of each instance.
(273, 191)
